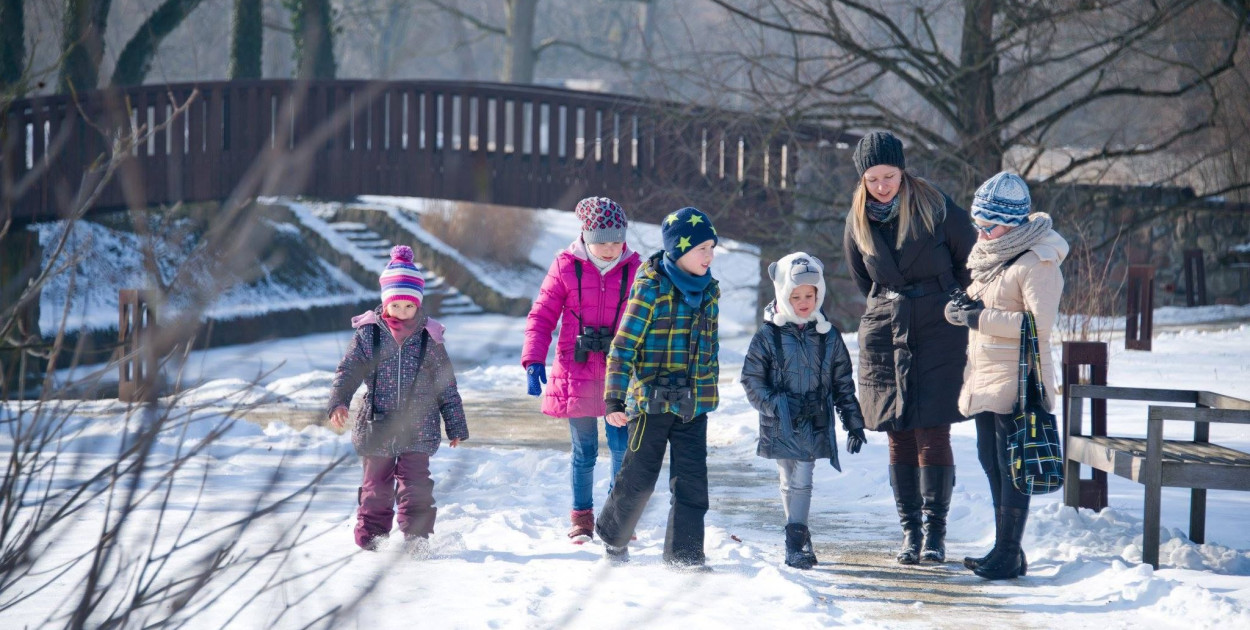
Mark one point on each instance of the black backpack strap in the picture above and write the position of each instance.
(577, 271)
(620, 303)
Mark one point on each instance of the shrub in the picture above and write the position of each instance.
(502, 234)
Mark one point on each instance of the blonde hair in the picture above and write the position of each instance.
(917, 199)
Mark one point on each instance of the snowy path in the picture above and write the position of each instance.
(856, 547)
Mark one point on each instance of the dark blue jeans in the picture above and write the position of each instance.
(585, 435)
(993, 429)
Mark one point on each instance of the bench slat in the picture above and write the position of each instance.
(1185, 464)
(1199, 414)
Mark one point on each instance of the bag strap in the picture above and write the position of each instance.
(377, 361)
(820, 359)
(1030, 361)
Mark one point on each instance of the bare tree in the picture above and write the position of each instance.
(969, 80)
(136, 58)
(12, 42)
(313, 36)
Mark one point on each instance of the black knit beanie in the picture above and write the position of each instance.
(878, 147)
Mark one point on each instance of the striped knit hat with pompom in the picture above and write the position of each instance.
(402, 279)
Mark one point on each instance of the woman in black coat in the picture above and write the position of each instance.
(907, 246)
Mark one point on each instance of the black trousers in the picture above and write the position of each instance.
(993, 429)
(649, 436)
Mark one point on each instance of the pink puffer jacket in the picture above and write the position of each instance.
(575, 390)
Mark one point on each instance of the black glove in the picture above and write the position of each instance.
(855, 440)
(614, 404)
(961, 317)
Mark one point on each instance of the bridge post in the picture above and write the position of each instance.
(21, 257)
(1139, 320)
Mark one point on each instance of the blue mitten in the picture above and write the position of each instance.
(536, 373)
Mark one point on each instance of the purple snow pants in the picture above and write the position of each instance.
(403, 480)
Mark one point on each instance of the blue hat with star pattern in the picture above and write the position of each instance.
(684, 230)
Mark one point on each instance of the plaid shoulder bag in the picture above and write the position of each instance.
(1033, 447)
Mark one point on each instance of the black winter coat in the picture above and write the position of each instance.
(775, 384)
(911, 360)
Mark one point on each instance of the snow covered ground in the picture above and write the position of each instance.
(500, 558)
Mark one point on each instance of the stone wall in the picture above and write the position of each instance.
(1154, 226)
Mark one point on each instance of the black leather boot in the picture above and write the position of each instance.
(1007, 560)
(937, 483)
(905, 480)
(972, 562)
(796, 537)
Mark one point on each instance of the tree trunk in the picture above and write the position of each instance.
(518, 63)
(136, 58)
(12, 43)
(247, 40)
(82, 43)
(314, 39)
(979, 136)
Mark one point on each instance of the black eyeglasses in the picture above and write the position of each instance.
(985, 228)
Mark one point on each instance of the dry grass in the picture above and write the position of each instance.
(1089, 299)
(499, 233)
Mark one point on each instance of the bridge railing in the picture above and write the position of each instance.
(501, 143)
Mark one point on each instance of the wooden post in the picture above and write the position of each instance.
(1139, 324)
(135, 365)
(1077, 356)
(1195, 278)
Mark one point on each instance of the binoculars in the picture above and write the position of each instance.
(673, 390)
(592, 339)
(963, 301)
(812, 409)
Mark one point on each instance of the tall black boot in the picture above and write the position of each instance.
(1006, 561)
(937, 483)
(796, 536)
(972, 562)
(905, 480)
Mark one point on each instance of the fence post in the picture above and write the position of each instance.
(135, 364)
(1195, 278)
(1139, 324)
(1089, 357)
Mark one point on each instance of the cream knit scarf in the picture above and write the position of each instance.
(988, 257)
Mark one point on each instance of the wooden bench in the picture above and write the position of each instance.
(1155, 462)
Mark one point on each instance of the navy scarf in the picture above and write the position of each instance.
(689, 285)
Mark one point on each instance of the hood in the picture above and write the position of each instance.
(794, 270)
(432, 326)
(1051, 247)
(578, 249)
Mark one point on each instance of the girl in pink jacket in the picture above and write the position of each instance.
(585, 293)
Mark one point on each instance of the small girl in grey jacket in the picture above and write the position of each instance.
(796, 372)
(398, 353)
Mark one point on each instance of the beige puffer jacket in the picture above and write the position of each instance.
(1032, 283)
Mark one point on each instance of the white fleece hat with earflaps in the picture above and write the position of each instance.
(789, 273)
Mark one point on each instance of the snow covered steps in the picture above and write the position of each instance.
(368, 242)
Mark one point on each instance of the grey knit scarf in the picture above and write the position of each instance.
(881, 212)
(987, 257)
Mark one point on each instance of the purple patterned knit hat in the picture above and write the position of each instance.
(402, 280)
(603, 220)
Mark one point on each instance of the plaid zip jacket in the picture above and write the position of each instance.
(655, 337)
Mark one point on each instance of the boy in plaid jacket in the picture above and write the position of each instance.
(661, 382)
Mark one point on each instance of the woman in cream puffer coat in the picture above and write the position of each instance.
(1015, 269)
